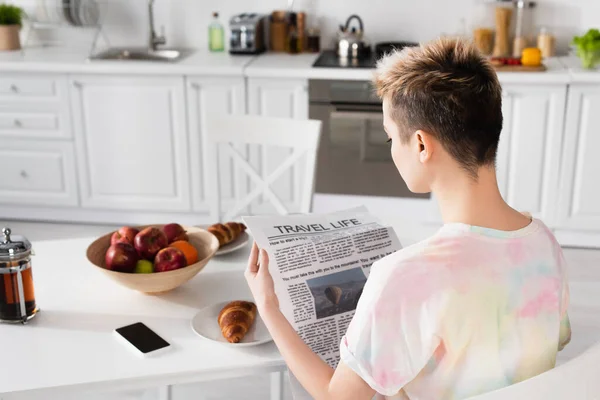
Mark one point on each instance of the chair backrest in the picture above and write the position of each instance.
(578, 379)
(263, 164)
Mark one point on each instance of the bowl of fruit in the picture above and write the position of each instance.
(154, 258)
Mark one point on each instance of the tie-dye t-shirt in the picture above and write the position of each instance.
(467, 311)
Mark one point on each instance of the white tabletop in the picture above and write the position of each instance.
(70, 346)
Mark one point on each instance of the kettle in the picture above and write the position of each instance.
(350, 41)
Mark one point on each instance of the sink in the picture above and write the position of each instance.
(141, 54)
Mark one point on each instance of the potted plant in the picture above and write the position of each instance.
(11, 18)
(588, 48)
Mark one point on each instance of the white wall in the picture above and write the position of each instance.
(186, 21)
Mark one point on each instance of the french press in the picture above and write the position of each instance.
(17, 299)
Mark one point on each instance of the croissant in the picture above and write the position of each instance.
(235, 320)
(227, 233)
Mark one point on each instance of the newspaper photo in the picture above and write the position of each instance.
(319, 264)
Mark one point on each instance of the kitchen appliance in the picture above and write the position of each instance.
(17, 298)
(331, 59)
(247, 34)
(353, 158)
(351, 42)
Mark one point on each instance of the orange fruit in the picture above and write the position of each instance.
(190, 252)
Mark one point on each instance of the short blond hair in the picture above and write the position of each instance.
(447, 88)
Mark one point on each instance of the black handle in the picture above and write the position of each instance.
(360, 23)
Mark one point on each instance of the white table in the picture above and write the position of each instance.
(69, 347)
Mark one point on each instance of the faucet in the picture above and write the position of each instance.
(154, 40)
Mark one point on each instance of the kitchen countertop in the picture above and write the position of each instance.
(578, 74)
(200, 62)
(278, 65)
(269, 65)
(281, 65)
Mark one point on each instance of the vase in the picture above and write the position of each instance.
(9, 37)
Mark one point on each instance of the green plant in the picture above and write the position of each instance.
(10, 15)
(588, 48)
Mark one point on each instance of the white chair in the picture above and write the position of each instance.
(251, 144)
(577, 379)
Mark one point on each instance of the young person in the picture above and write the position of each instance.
(480, 305)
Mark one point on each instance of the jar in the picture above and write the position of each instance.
(314, 40)
(545, 42)
(17, 298)
(278, 30)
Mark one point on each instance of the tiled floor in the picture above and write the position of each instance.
(584, 277)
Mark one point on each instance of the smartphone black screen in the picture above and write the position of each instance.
(142, 337)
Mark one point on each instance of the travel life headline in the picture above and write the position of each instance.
(288, 230)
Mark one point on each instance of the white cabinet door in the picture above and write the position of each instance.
(579, 191)
(284, 98)
(131, 141)
(37, 173)
(208, 97)
(529, 151)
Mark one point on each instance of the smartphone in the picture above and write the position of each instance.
(143, 340)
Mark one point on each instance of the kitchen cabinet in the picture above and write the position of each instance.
(284, 98)
(34, 106)
(208, 97)
(529, 151)
(37, 173)
(579, 190)
(131, 139)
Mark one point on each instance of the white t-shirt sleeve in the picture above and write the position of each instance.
(392, 335)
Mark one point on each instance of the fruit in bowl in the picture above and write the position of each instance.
(144, 275)
(125, 234)
(121, 257)
(174, 232)
(143, 267)
(149, 242)
(169, 259)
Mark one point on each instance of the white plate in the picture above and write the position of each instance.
(237, 244)
(205, 324)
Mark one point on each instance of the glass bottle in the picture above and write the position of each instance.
(292, 39)
(216, 34)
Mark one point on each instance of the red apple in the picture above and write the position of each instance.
(121, 257)
(126, 234)
(175, 232)
(149, 241)
(169, 259)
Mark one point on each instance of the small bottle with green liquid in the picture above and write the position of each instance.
(216, 34)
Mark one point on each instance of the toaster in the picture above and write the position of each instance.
(247, 34)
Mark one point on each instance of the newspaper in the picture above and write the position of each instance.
(319, 265)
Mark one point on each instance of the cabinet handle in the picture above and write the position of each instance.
(77, 84)
(14, 89)
(18, 123)
(24, 174)
(195, 85)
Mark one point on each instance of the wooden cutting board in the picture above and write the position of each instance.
(519, 68)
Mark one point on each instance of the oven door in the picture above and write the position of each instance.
(354, 158)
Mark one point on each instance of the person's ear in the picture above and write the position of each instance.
(425, 145)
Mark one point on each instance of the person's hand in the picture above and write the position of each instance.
(260, 281)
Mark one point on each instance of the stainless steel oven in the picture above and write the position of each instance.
(354, 158)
